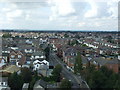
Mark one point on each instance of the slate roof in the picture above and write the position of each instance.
(114, 61)
(38, 53)
(43, 83)
(70, 51)
(103, 61)
(3, 79)
(99, 60)
(84, 60)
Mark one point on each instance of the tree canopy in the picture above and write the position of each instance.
(78, 63)
(56, 72)
(15, 81)
(47, 52)
(26, 74)
(101, 78)
(65, 84)
(6, 35)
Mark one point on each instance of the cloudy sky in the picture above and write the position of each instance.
(59, 14)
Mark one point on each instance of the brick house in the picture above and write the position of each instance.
(113, 65)
(17, 58)
(69, 56)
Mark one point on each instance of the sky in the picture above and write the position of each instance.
(97, 15)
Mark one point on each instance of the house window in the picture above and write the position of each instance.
(37, 66)
(12, 56)
(19, 56)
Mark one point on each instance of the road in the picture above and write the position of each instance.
(75, 79)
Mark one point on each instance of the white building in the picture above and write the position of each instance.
(40, 64)
(41, 67)
(38, 55)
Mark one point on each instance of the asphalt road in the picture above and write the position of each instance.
(75, 79)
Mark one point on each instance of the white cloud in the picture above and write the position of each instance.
(93, 11)
(66, 14)
(81, 24)
(16, 13)
(61, 8)
(6, 9)
(97, 24)
(113, 8)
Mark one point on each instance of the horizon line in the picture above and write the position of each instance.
(55, 30)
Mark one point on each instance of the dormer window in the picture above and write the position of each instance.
(19, 56)
(12, 56)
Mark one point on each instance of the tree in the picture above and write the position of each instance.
(65, 84)
(34, 79)
(77, 36)
(107, 72)
(117, 84)
(91, 68)
(6, 35)
(74, 42)
(26, 74)
(78, 63)
(98, 80)
(56, 72)
(103, 78)
(66, 35)
(47, 52)
(109, 38)
(32, 84)
(110, 83)
(69, 42)
(15, 81)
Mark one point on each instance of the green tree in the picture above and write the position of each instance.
(15, 81)
(91, 68)
(26, 74)
(98, 80)
(107, 72)
(69, 42)
(47, 52)
(117, 84)
(6, 35)
(35, 78)
(66, 35)
(32, 84)
(77, 36)
(78, 63)
(74, 42)
(57, 72)
(110, 83)
(65, 84)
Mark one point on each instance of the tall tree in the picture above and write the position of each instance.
(15, 81)
(98, 80)
(47, 52)
(56, 72)
(26, 74)
(65, 84)
(7, 35)
(78, 63)
(107, 72)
